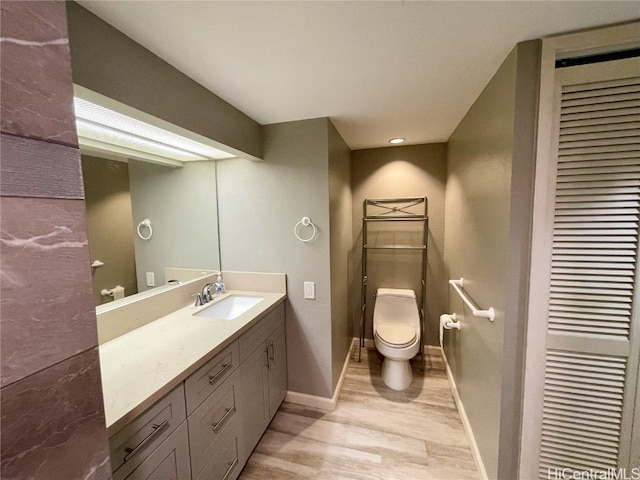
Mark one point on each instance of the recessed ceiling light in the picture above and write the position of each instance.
(396, 140)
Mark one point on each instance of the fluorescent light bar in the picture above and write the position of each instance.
(105, 129)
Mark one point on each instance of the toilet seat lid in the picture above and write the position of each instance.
(396, 335)
(395, 292)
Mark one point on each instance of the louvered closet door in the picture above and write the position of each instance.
(593, 338)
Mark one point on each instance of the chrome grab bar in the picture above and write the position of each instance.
(458, 285)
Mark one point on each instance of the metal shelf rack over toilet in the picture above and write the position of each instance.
(412, 209)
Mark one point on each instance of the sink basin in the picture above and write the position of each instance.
(230, 307)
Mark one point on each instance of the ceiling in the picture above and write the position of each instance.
(378, 69)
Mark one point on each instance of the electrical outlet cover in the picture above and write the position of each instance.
(310, 290)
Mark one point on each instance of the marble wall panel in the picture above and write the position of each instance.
(46, 299)
(36, 82)
(51, 412)
(53, 424)
(34, 168)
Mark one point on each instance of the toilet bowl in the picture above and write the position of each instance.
(396, 334)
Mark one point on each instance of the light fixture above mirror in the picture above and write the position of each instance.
(113, 129)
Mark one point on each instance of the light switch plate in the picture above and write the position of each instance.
(151, 280)
(310, 290)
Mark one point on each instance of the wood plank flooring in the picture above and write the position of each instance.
(374, 432)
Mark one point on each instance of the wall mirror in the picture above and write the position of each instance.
(151, 199)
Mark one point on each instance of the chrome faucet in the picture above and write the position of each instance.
(206, 293)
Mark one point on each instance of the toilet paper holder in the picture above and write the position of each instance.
(447, 322)
(116, 292)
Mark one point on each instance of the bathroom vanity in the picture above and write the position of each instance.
(188, 395)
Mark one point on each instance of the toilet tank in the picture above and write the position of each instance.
(394, 305)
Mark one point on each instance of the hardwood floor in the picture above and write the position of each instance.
(374, 432)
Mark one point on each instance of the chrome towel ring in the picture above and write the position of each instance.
(145, 223)
(305, 222)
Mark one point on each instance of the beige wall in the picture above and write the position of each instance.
(528, 55)
(109, 225)
(488, 209)
(260, 202)
(340, 246)
(305, 173)
(410, 171)
(110, 63)
(477, 224)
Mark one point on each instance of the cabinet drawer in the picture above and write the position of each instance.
(259, 333)
(139, 438)
(211, 421)
(210, 376)
(170, 461)
(225, 464)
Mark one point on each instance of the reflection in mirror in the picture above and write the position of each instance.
(151, 199)
(181, 205)
(109, 226)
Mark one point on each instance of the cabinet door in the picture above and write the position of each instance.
(170, 461)
(257, 334)
(253, 398)
(277, 351)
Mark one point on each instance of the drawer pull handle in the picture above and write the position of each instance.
(212, 378)
(272, 352)
(228, 411)
(232, 465)
(156, 429)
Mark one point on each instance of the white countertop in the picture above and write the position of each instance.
(140, 367)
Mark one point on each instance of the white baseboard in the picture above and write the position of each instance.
(322, 402)
(463, 417)
(307, 400)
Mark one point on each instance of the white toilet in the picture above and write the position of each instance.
(396, 334)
